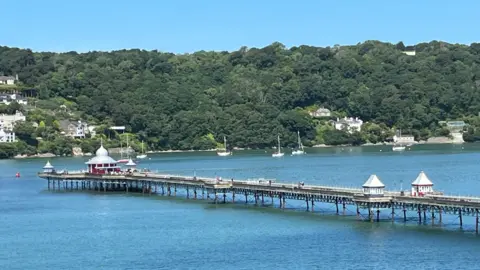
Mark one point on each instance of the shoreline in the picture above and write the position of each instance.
(50, 155)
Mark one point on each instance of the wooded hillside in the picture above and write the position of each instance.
(251, 95)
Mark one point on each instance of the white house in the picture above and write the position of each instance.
(322, 112)
(351, 124)
(6, 136)
(422, 185)
(7, 121)
(373, 187)
(7, 80)
(404, 139)
(74, 129)
(9, 98)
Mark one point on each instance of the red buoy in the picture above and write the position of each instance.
(17, 175)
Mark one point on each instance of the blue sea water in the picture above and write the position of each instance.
(41, 229)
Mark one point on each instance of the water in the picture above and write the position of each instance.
(65, 230)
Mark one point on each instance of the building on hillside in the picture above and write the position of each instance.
(8, 80)
(7, 121)
(322, 112)
(455, 126)
(350, 124)
(404, 139)
(74, 129)
(410, 50)
(9, 98)
(6, 135)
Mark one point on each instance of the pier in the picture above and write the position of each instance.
(268, 192)
(372, 199)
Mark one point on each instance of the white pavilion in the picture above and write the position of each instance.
(422, 185)
(373, 187)
(48, 168)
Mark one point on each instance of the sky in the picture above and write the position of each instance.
(182, 26)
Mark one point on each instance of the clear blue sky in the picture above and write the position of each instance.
(181, 26)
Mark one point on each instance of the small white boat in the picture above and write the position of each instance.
(143, 155)
(300, 150)
(224, 153)
(398, 148)
(279, 152)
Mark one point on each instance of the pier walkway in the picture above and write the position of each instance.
(367, 198)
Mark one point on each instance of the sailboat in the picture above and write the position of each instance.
(224, 153)
(300, 150)
(398, 147)
(122, 160)
(143, 155)
(279, 149)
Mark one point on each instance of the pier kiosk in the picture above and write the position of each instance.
(422, 185)
(130, 165)
(48, 168)
(102, 163)
(373, 187)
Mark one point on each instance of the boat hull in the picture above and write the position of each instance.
(224, 154)
(298, 152)
(141, 156)
(277, 155)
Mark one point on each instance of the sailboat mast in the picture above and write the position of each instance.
(225, 143)
(279, 150)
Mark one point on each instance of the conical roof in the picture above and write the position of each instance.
(373, 182)
(422, 180)
(130, 163)
(48, 165)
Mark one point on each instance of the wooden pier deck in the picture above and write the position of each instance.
(434, 204)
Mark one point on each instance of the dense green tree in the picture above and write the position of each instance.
(253, 94)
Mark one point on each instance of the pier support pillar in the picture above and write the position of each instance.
(476, 223)
(174, 189)
(195, 193)
(393, 213)
(313, 204)
(419, 215)
(233, 196)
(163, 189)
(370, 212)
(188, 193)
(224, 196)
(48, 184)
(378, 215)
(262, 199)
(256, 198)
(404, 214)
(246, 197)
(432, 209)
(344, 207)
(460, 217)
(283, 203)
(440, 215)
(358, 211)
(425, 214)
(156, 187)
(215, 194)
(169, 190)
(306, 200)
(336, 205)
